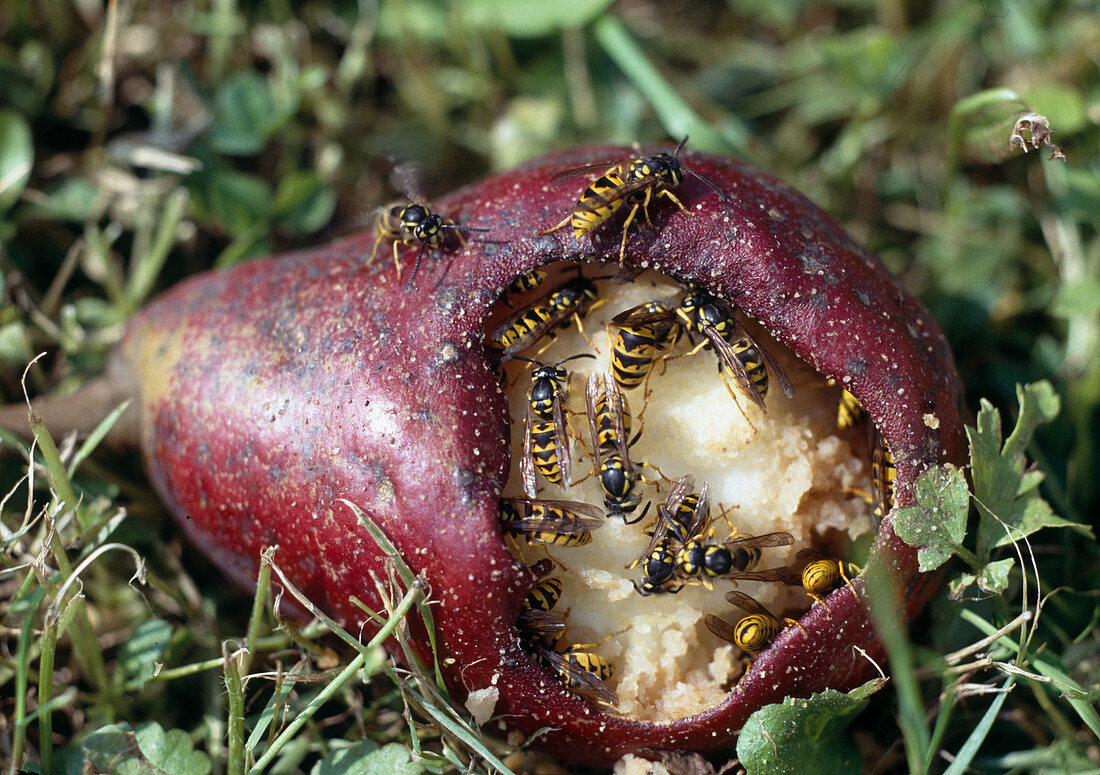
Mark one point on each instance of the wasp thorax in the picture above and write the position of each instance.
(659, 473)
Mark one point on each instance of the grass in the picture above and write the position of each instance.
(143, 143)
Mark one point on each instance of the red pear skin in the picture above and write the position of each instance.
(272, 390)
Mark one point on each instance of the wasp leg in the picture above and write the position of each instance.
(819, 599)
(655, 468)
(672, 196)
(396, 260)
(848, 581)
(733, 395)
(564, 223)
(374, 251)
(626, 229)
(796, 624)
(580, 326)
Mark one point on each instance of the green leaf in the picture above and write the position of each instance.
(75, 200)
(991, 125)
(16, 157)
(1062, 103)
(246, 115)
(147, 751)
(982, 123)
(14, 343)
(140, 652)
(958, 585)
(531, 18)
(304, 203)
(936, 522)
(1009, 504)
(804, 735)
(366, 758)
(994, 576)
(237, 200)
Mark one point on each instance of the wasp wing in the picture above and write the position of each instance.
(640, 316)
(666, 515)
(733, 366)
(540, 624)
(591, 399)
(582, 682)
(777, 371)
(604, 167)
(760, 541)
(527, 460)
(602, 205)
(784, 574)
(616, 407)
(574, 507)
(746, 603)
(565, 523)
(561, 444)
(720, 627)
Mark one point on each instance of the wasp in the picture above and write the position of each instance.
(414, 223)
(675, 519)
(740, 356)
(583, 672)
(526, 326)
(751, 633)
(554, 523)
(607, 420)
(636, 181)
(535, 617)
(883, 473)
(734, 559)
(544, 595)
(848, 411)
(821, 575)
(642, 334)
(528, 281)
(545, 446)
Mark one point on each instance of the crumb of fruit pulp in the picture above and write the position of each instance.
(783, 470)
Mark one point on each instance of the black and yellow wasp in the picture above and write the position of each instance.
(642, 334)
(554, 523)
(848, 411)
(608, 418)
(740, 357)
(545, 444)
(528, 281)
(583, 672)
(883, 473)
(536, 619)
(698, 559)
(635, 181)
(821, 575)
(411, 221)
(675, 519)
(526, 326)
(751, 633)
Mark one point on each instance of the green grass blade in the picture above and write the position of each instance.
(96, 436)
(886, 609)
(970, 748)
(676, 115)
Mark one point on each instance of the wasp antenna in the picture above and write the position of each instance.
(680, 147)
(573, 358)
(711, 184)
(416, 266)
(520, 358)
(463, 228)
